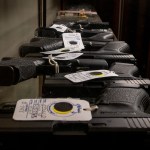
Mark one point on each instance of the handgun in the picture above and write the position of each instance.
(83, 24)
(123, 102)
(47, 44)
(53, 33)
(111, 51)
(128, 76)
(116, 51)
(15, 70)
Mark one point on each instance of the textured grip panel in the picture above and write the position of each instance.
(48, 43)
(125, 69)
(138, 122)
(108, 36)
(118, 46)
(132, 97)
(25, 68)
(39, 45)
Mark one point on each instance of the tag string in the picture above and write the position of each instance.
(92, 108)
(52, 62)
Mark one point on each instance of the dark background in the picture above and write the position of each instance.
(130, 21)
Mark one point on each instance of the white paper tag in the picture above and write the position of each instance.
(66, 56)
(73, 41)
(60, 51)
(59, 27)
(65, 109)
(89, 75)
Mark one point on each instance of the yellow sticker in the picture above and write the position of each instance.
(99, 74)
(62, 108)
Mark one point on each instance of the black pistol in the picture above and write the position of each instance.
(15, 70)
(123, 102)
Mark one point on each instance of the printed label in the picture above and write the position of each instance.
(73, 41)
(66, 56)
(89, 75)
(59, 27)
(65, 109)
(60, 51)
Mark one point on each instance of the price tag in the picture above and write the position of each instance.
(89, 75)
(59, 27)
(73, 41)
(66, 56)
(64, 109)
(60, 51)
